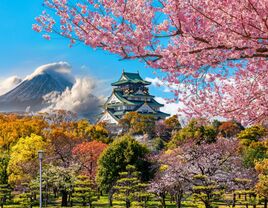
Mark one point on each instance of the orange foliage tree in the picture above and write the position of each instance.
(13, 127)
(64, 137)
(230, 129)
(87, 154)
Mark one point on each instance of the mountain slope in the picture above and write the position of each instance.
(29, 93)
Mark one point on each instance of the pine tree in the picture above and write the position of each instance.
(206, 190)
(29, 196)
(83, 191)
(129, 188)
(5, 194)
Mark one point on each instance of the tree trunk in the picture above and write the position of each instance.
(207, 205)
(172, 198)
(265, 202)
(99, 193)
(178, 198)
(64, 198)
(69, 199)
(145, 202)
(246, 200)
(31, 202)
(47, 196)
(110, 197)
(163, 199)
(55, 191)
(234, 200)
(127, 203)
(255, 201)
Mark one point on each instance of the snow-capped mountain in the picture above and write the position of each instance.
(51, 87)
(30, 92)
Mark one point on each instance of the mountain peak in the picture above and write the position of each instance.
(54, 77)
(62, 69)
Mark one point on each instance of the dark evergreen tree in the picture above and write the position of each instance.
(28, 198)
(83, 191)
(130, 189)
(206, 190)
(122, 152)
(5, 194)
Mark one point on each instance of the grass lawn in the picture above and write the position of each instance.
(103, 202)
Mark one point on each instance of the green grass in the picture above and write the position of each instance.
(189, 203)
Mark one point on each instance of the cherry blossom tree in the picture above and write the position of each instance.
(218, 49)
(192, 166)
(169, 182)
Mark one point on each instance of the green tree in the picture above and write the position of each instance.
(173, 123)
(4, 159)
(198, 130)
(129, 188)
(158, 144)
(251, 134)
(135, 123)
(122, 152)
(206, 190)
(99, 132)
(255, 152)
(83, 191)
(262, 185)
(28, 197)
(5, 194)
(166, 128)
(62, 180)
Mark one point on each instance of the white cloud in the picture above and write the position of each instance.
(171, 108)
(160, 83)
(8, 84)
(59, 68)
(78, 99)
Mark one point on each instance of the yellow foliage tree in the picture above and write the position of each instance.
(262, 185)
(23, 163)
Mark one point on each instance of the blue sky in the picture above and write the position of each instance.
(22, 49)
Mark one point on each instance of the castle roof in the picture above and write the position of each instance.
(120, 96)
(120, 113)
(133, 78)
(133, 96)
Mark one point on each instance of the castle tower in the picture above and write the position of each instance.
(130, 93)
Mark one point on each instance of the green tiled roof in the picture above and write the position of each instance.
(138, 95)
(132, 75)
(119, 113)
(157, 114)
(113, 115)
(120, 96)
(151, 103)
(134, 78)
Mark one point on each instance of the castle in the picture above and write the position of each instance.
(130, 93)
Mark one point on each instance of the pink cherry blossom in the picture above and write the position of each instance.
(187, 39)
(46, 36)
